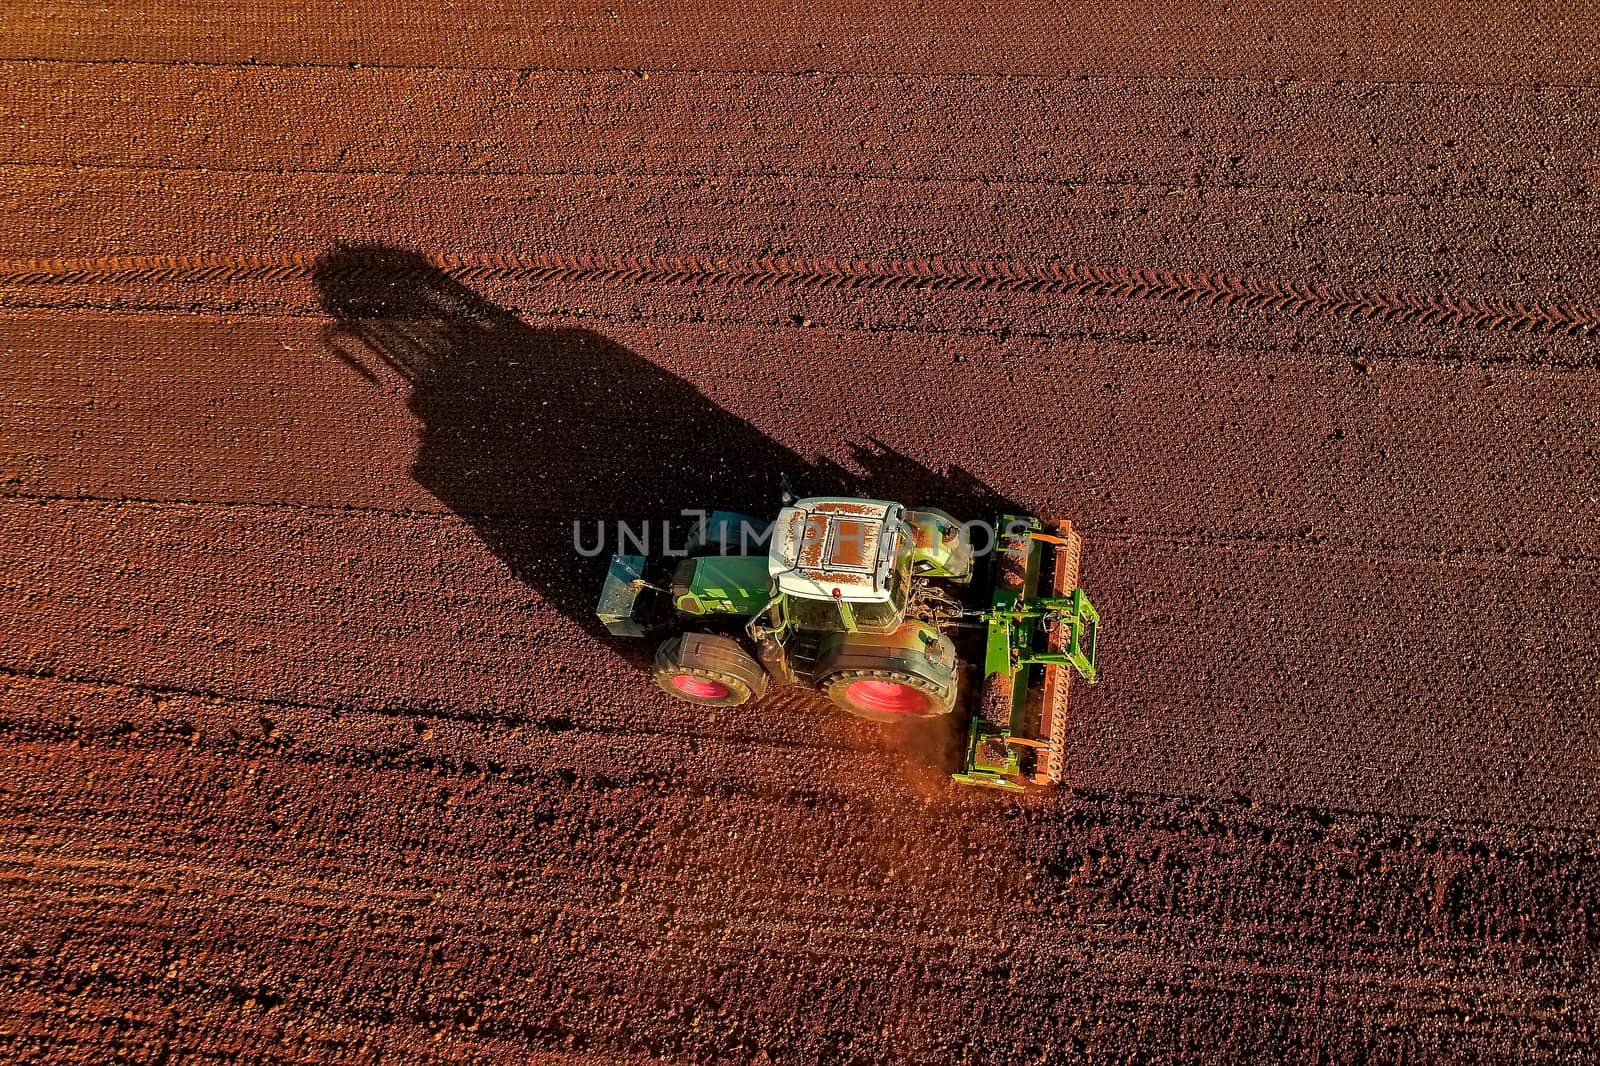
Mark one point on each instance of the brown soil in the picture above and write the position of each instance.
(321, 324)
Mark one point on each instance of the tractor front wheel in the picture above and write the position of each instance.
(888, 695)
(711, 671)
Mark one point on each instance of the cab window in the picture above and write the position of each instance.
(817, 615)
(882, 617)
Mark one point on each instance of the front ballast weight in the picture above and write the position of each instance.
(884, 610)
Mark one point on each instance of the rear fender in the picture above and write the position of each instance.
(915, 648)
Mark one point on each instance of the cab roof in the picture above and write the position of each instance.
(835, 548)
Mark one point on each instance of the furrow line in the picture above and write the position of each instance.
(935, 274)
(1133, 538)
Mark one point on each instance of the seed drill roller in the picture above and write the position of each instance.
(892, 613)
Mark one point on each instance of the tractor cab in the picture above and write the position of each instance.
(841, 565)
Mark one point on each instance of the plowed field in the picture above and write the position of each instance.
(322, 323)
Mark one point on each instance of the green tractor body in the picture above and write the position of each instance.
(885, 610)
(721, 584)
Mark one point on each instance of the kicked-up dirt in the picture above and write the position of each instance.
(323, 323)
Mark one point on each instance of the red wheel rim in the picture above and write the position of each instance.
(890, 697)
(703, 688)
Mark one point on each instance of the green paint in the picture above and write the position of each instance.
(726, 584)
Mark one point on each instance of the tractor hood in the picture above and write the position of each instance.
(837, 548)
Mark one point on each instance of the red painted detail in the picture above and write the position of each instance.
(701, 687)
(888, 696)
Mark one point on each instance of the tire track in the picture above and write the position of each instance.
(936, 274)
(35, 58)
(544, 724)
(1242, 188)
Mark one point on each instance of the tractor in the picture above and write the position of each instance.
(893, 614)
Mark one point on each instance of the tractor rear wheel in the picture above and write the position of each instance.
(887, 695)
(708, 670)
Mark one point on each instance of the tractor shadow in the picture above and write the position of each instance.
(525, 431)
